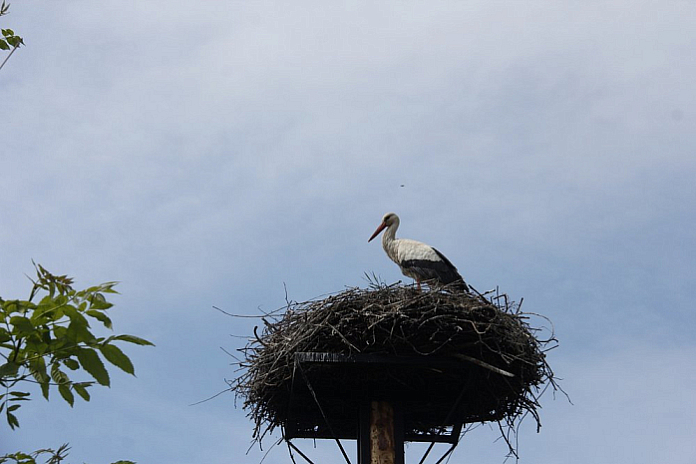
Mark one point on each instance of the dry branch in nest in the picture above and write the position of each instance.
(445, 357)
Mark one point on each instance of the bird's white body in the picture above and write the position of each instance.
(401, 250)
(416, 259)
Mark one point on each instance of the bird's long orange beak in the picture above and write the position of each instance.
(379, 229)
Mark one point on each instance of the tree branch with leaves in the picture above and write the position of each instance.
(8, 39)
(48, 340)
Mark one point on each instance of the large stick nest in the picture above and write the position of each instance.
(464, 358)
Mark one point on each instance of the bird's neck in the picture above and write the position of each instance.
(389, 242)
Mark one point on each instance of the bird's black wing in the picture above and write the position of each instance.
(442, 271)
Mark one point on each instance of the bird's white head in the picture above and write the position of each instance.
(389, 220)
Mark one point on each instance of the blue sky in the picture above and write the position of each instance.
(210, 153)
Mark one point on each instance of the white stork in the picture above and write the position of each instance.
(416, 259)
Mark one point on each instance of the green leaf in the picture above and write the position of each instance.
(11, 306)
(60, 300)
(34, 346)
(81, 389)
(15, 41)
(16, 397)
(116, 357)
(22, 325)
(46, 311)
(59, 331)
(57, 375)
(44, 390)
(132, 339)
(78, 332)
(8, 370)
(71, 364)
(98, 301)
(78, 329)
(12, 420)
(100, 316)
(46, 301)
(4, 335)
(89, 359)
(37, 367)
(64, 390)
(75, 316)
(4, 46)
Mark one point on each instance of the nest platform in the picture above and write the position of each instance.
(445, 358)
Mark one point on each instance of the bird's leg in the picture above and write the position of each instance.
(418, 286)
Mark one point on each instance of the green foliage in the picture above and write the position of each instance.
(8, 40)
(51, 457)
(48, 338)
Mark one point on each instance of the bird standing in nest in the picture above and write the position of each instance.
(416, 259)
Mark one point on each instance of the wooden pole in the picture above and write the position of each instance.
(382, 449)
(380, 438)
